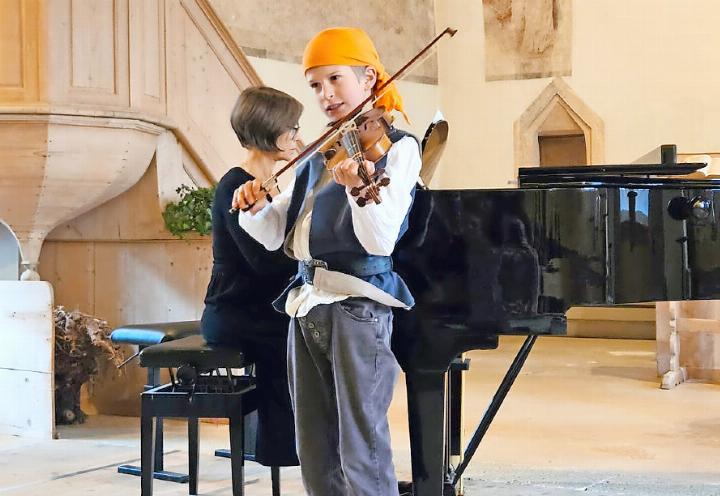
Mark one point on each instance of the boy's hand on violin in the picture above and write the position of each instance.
(346, 173)
(249, 195)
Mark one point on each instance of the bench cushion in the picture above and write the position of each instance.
(149, 334)
(194, 351)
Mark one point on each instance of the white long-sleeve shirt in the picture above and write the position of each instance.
(376, 226)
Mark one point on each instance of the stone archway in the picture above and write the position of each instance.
(558, 112)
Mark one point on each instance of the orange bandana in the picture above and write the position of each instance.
(352, 46)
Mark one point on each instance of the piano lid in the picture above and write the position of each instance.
(603, 173)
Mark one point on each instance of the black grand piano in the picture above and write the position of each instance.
(483, 263)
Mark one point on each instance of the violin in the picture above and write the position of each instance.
(363, 138)
(354, 132)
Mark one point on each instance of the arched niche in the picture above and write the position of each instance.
(9, 254)
(559, 126)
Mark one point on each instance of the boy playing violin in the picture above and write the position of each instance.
(341, 369)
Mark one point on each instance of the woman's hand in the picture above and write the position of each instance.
(346, 173)
(249, 197)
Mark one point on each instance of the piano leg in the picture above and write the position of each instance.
(504, 388)
(426, 401)
(454, 390)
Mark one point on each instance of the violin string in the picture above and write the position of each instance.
(359, 157)
(351, 142)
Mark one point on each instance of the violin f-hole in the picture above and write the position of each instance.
(329, 153)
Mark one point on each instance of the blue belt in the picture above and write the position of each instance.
(361, 266)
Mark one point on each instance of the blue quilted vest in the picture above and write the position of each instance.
(332, 237)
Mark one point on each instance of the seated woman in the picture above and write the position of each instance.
(246, 278)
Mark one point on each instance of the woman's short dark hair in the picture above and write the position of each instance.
(261, 114)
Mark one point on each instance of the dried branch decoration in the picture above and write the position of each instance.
(81, 342)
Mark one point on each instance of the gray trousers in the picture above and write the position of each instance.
(342, 374)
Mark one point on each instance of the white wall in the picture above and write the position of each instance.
(649, 68)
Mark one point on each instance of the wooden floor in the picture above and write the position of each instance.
(585, 416)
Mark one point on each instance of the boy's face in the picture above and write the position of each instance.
(338, 89)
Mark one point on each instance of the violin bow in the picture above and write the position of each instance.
(272, 180)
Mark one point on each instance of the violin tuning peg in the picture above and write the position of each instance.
(362, 201)
(373, 194)
(355, 191)
(384, 181)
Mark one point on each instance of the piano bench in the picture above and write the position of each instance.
(197, 390)
(144, 335)
(150, 334)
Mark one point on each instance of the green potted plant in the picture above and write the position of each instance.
(192, 213)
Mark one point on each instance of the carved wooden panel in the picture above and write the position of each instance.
(92, 44)
(125, 283)
(164, 281)
(210, 95)
(73, 175)
(23, 147)
(11, 27)
(133, 215)
(70, 268)
(19, 57)
(130, 282)
(203, 82)
(58, 167)
(147, 56)
(89, 52)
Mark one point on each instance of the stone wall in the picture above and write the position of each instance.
(399, 28)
